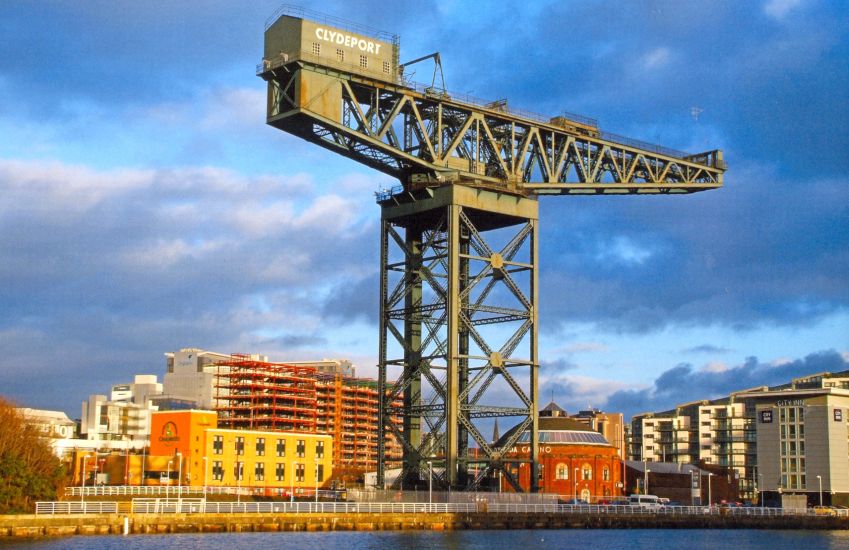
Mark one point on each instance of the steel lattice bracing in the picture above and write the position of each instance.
(458, 328)
(425, 138)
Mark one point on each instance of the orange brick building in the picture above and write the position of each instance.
(575, 462)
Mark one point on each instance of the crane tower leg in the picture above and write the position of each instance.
(458, 335)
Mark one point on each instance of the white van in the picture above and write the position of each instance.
(645, 501)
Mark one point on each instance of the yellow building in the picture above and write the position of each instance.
(275, 462)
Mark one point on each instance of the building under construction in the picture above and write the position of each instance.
(259, 395)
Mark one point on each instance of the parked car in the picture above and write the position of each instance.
(645, 501)
(824, 511)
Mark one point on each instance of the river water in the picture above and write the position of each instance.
(599, 539)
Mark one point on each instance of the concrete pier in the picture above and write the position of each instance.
(29, 526)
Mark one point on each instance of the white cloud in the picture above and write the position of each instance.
(64, 188)
(586, 347)
(656, 58)
(623, 250)
(714, 367)
(779, 8)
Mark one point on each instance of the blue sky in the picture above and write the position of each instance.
(145, 206)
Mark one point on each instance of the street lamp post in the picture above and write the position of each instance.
(760, 489)
(168, 483)
(204, 478)
(430, 482)
(575, 484)
(82, 489)
(819, 479)
(94, 483)
(646, 481)
(180, 475)
(292, 489)
(239, 473)
(710, 498)
(316, 482)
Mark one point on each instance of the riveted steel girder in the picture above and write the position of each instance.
(458, 327)
(427, 137)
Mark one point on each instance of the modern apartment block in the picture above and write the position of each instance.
(125, 415)
(803, 439)
(759, 435)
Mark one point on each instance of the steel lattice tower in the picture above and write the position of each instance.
(459, 263)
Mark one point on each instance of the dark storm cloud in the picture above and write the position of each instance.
(100, 272)
(684, 383)
(753, 252)
(556, 366)
(104, 271)
(353, 300)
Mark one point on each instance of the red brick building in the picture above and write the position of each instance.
(575, 461)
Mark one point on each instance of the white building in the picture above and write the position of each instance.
(125, 415)
(780, 439)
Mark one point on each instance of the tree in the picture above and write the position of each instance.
(29, 471)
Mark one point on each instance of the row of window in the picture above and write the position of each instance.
(340, 56)
(300, 447)
(259, 471)
(792, 431)
(793, 465)
(562, 472)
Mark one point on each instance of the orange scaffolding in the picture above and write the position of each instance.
(257, 395)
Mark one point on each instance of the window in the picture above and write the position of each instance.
(238, 470)
(259, 471)
(280, 471)
(260, 446)
(316, 48)
(319, 473)
(281, 447)
(340, 55)
(363, 62)
(217, 470)
(386, 67)
(300, 448)
(218, 445)
(605, 474)
(319, 449)
(587, 473)
(299, 473)
(561, 472)
(240, 445)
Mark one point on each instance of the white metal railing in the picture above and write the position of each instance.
(190, 490)
(199, 505)
(76, 507)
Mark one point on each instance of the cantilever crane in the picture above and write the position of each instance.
(459, 291)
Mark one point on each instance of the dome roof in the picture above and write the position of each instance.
(557, 429)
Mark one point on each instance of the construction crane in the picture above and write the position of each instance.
(459, 296)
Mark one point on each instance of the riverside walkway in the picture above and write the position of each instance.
(152, 515)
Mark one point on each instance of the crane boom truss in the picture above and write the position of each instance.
(424, 136)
